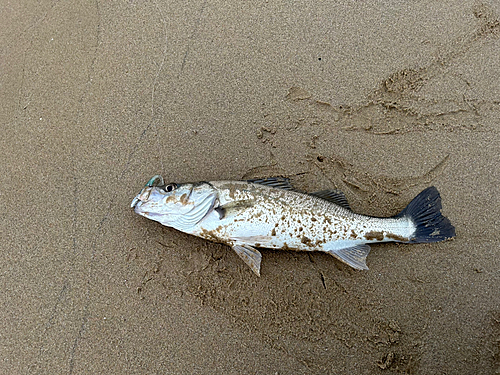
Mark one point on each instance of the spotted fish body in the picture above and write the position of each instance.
(269, 213)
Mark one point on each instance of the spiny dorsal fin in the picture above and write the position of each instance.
(334, 196)
(275, 182)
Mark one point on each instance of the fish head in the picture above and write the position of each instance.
(180, 206)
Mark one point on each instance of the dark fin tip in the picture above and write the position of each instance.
(425, 212)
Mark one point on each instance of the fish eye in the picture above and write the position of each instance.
(170, 187)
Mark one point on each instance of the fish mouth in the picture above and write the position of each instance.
(143, 196)
(135, 201)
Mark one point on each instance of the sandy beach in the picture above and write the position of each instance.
(377, 99)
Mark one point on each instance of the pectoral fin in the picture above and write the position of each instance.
(354, 256)
(233, 208)
(250, 256)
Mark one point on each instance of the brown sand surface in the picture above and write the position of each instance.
(378, 98)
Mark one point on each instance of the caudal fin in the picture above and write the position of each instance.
(425, 212)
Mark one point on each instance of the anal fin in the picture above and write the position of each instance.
(250, 256)
(354, 256)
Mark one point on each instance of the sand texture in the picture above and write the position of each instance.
(380, 99)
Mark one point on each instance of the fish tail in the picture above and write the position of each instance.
(425, 213)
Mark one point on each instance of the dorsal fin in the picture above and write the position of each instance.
(275, 182)
(334, 196)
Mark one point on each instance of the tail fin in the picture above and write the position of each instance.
(425, 212)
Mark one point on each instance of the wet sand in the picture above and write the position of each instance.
(377, 99)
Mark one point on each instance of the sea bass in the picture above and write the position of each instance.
(270, 213)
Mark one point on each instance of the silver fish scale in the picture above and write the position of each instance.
(265, 217)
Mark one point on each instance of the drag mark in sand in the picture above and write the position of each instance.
(101, 226)
(338, 170)
(191, 37)
(75, 196)
(42, 17)
(406, 101)
(32, 26)
(62, 294)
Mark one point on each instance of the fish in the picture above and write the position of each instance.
(270, 213)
